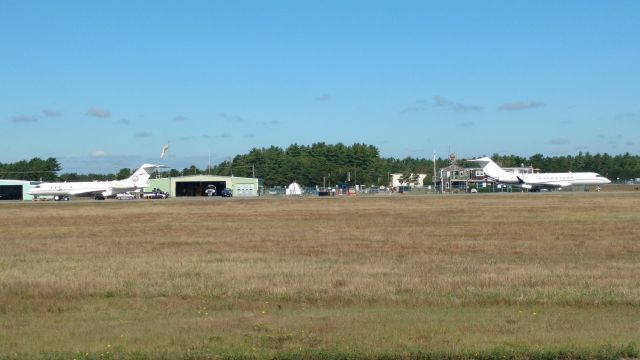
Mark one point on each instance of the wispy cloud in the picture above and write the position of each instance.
(520, 105)
(627, 116)
(566, 122)
(124, 122)
(452, 105)
(225, 135)
(249, 135)
(439, 102)
(206, 136)
(416, 106)
(187, 138)
(90, 164)
(615, 139)
(180, 118)
(51, 113)
(143, 134)
(558, 141)
(629, 143)
(98, 112)
(467, 124)
(323, 97)
(24, 119)
(99, 154)
(231, 117)
(272, 122)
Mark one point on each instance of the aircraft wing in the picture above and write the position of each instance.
(542, 185)
(127, 188)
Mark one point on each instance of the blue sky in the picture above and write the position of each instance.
(103, 85)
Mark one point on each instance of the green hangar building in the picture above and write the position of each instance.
(196, 185)
(16, 189)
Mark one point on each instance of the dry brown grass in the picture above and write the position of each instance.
(280, 274)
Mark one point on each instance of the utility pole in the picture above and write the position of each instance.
(434, 171)
(355, 177)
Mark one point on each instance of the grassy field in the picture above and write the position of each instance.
(506, 274)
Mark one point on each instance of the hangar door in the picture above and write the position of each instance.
(198, 188)
(244, 190)
(10, 192)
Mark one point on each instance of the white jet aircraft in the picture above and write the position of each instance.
(98, 189)
(540, 180)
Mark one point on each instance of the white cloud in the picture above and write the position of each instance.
(99, 113)
(558, 141)
(51, 113)
(628, 116)
(231, 117)
(323, 97)
(272, 122)
(24, 119)
(521, 105)
(439, 102)
(143, 134)
(452, 105)
(99, 154)
(417, 106)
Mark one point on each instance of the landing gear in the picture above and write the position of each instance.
(61, 198)
(99, 197)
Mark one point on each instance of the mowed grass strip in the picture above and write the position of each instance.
(280, 276)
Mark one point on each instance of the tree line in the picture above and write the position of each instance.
(332, 164)
(35, 169)
(322, 163)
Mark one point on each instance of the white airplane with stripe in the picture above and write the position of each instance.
(540, 180)
(98, 189)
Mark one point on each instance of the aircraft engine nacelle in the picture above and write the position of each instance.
(508, 178)
(107, 193)
(527, 186)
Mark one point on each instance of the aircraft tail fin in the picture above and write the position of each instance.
(491, 169)
(142, 175)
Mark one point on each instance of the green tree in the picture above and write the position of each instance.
(123, 173)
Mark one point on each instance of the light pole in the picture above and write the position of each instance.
(434, 171)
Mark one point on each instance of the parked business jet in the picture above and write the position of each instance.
(541, 180)
(98, 189)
